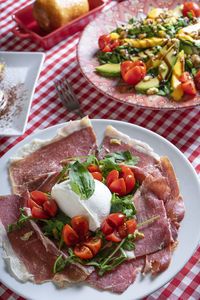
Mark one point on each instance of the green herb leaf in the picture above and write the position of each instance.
(22, 221)
(128, 245)
(81, 180)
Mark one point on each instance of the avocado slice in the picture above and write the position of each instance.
(109, 70)
(186, 48)
(166, 65)
(143, 86)
(164, 70)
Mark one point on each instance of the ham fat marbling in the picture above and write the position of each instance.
(40, 168)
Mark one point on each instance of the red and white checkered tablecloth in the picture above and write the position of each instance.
(181, 127)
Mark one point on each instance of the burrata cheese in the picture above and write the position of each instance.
(95, 209)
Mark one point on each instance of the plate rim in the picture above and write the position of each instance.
(104, 122)
(41, 57)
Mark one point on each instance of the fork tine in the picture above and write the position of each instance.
(67, 96)
(70, 89)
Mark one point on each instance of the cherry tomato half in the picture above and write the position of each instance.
(93, 168)
(83, 252)
(94, 244)
(189, 87)
(185, 76)
(133, 72)
(115, 219)
(130, 183)
(50, 206)
(69, 235)
(97, 176)
(106, 228)
(118, 186)
(38, 212)
(32, 203)
(113, 237)
(191, 7)
(81, 225)
(107, 44)
(131, 226)
(113, 175)
(125, 171)
(122, 229)
(197, 80)
(104, 40)
(39, 197)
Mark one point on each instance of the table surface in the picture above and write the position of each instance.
(180, 127)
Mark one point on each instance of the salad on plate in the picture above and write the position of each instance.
(101, 216)
(158, 54)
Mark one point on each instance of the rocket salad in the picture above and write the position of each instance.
(105, 248)
(157, 55)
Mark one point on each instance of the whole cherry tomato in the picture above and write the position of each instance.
(191, 7)
(81, 225)
(83, 252)
(70, 236)
(97, 175)
(133, 72)
(94, 244)
(197, 80)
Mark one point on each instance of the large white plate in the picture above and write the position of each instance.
(188, 236)
(20, 67)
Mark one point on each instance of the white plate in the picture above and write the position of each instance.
(20, 68)
(188, 237)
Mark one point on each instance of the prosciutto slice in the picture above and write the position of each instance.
(119, 279)
(48, 157)
(31, 255)
(114, 141)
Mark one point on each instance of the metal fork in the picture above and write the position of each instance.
(67, 96)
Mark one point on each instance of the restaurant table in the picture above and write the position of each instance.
(180, 127)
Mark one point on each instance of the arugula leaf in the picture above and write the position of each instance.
(61, 263)
(22, 221)
(124, 204)
(165, 89)
(81, 180)
(121, 156)
(54, 226)
(128, 245)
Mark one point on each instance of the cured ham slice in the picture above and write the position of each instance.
(47, 158)
(29, 254)
(117, 280)
(157, 233)
(158, 262)
(114, 141)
